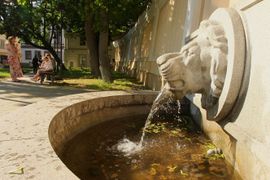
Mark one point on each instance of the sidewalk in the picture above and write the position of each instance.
(14, 95)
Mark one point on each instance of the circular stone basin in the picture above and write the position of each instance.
(80, 116)
(86, 135)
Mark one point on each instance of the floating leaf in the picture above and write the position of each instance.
(183, 173)
(114, 175)
(134, 167)
(216, 156)
(153, 171)
(162, 177)
(175, 132)
(155, 128)
(171, 168)
(155, 165)
(188, 139)
(210, 146)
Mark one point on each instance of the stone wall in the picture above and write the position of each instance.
(244, 135)
(161, 29)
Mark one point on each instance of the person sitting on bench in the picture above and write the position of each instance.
(45, 67)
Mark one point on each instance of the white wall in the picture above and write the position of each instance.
(32, 51)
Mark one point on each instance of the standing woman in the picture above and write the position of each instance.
(14, 51)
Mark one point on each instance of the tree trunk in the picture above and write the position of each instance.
(104, 62)
(91, 43)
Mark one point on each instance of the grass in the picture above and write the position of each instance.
(81, 78)
(27, 70)
(4, 73)
(76, 73)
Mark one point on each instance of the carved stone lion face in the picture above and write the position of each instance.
(200, 66)
(181, 71)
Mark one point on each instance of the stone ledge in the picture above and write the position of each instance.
(24, 137)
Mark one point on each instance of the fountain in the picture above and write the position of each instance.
(84, 128)
(167, 145)
(173, 148)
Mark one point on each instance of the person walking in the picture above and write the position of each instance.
(35, 63)
(13, 48)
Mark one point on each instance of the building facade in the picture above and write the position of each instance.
(76, 53)
(29, 52)
(3, 52)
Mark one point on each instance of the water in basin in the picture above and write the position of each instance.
(173, 148)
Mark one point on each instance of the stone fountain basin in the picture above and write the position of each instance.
(41, 130)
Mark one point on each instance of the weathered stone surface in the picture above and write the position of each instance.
(212, 59)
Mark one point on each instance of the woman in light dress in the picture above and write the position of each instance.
(14, 51)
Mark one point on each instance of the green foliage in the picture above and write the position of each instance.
(33, 21)
(76, 73)
(122, 14)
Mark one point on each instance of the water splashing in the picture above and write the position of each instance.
(128, 147)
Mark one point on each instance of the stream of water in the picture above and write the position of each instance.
(128, 147)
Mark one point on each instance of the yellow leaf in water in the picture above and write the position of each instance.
(155, 165)
(153, 171)
(174, 133)
(183, 173)
(163, 177)
(114, 175)
(134, 167)
(171, 168)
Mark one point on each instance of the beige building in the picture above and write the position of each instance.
(3, 52)
(244, 134)
(75, 51)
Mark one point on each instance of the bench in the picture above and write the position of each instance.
(48, 75)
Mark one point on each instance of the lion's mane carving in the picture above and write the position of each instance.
(200, 66)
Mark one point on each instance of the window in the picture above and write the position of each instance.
(28, 55)
(71, 64)
(2, 44)
(82, 60)
(38, 53)
(82, 41)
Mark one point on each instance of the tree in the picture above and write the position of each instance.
(33, 21)
(102, 21)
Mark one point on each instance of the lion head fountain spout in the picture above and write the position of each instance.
(203, 64)
(200, 66)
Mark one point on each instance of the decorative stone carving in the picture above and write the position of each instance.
(201, 66)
